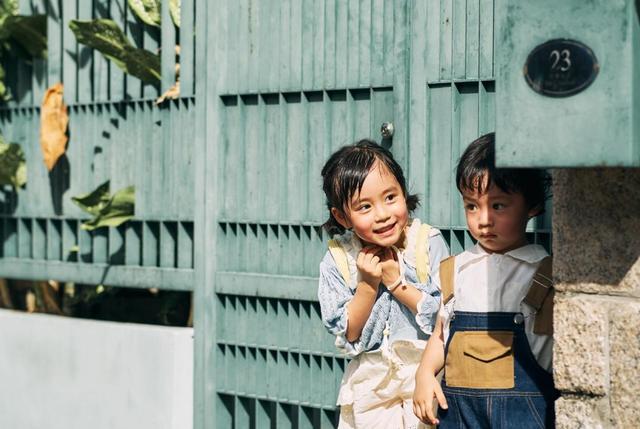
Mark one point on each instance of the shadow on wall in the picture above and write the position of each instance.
(59, 183)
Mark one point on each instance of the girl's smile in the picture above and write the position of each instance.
(378, 214)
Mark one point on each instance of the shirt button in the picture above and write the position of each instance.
(518, 319)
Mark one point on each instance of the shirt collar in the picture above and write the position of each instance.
(531, 253)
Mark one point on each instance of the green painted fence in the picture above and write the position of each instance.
(227, 177)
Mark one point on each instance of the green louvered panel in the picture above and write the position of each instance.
(452, 103)
(116, 133)
(299, 79)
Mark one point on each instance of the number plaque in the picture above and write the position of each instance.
(561, 68)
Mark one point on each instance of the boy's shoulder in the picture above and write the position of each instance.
(532, 255)
(529, 253)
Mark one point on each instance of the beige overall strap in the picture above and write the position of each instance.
(422, 253)
(540, 297)
(340, 256)
(446, 278)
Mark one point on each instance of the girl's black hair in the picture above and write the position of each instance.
(344, 173)
(478, 161)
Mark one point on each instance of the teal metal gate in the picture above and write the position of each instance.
(227, 180)
(116, 132)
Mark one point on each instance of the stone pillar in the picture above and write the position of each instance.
(596, 247)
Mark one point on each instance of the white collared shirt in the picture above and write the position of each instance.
(485, 282)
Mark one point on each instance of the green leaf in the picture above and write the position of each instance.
(107, 210)
(4, 94)
(95, 201)
(119, 210)
(147, 10)
(30, 32)
(8, 8)
(105, 36)
(13, 165)
(174, 11)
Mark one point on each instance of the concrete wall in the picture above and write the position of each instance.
(596, 245)
(63, 373)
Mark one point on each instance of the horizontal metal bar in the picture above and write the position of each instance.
(284, 349)
(268, 286)
(276, 399)
(109, 275)
(7, 108)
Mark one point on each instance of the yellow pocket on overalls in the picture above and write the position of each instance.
(480, 359)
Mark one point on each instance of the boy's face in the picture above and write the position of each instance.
(378, 214)
(497, 219)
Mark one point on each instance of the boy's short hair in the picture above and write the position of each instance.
(478, 161)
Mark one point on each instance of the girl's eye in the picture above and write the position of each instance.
(470, 207)
(391, 197)
(363, 207)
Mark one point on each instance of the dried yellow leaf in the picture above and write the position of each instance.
(171, 93)
(53, 125)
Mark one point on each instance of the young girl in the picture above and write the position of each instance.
(493, 334)
(378, 286)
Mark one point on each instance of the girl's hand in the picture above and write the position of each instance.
(427, 387)
(390, 266)
(368, 264)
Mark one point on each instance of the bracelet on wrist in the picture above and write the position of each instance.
(393, 286)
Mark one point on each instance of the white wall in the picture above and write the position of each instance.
(64, 373)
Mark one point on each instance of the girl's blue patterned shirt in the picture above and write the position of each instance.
(334, 294)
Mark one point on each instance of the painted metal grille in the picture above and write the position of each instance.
(297, 81)
(116, 133)
(229, 202)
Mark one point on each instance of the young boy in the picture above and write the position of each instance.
(493, 333)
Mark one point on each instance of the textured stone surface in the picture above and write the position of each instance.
(580, 352)
(577, 412)
(596, 246)
(624, 337)
(596, 220)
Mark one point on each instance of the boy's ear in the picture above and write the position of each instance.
(535, 211)
(340, 217)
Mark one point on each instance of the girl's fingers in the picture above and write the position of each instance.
(417, 410)
(375, 260)
(420, 410)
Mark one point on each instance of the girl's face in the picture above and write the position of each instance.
(378, 214)
(496, 218)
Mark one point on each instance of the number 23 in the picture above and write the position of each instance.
(561, 60)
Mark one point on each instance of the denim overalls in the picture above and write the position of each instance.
(491, 378)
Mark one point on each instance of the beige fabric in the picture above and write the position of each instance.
(393, 414)
(480, 360)
(340, 256)
(422, 253)
(377, 388)
(540, 297)
(446, 278)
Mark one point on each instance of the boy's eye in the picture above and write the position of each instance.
(470, 207)
(498, 206)
(363, 207)
(391, 197)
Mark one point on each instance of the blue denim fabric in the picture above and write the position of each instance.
(529, 404)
